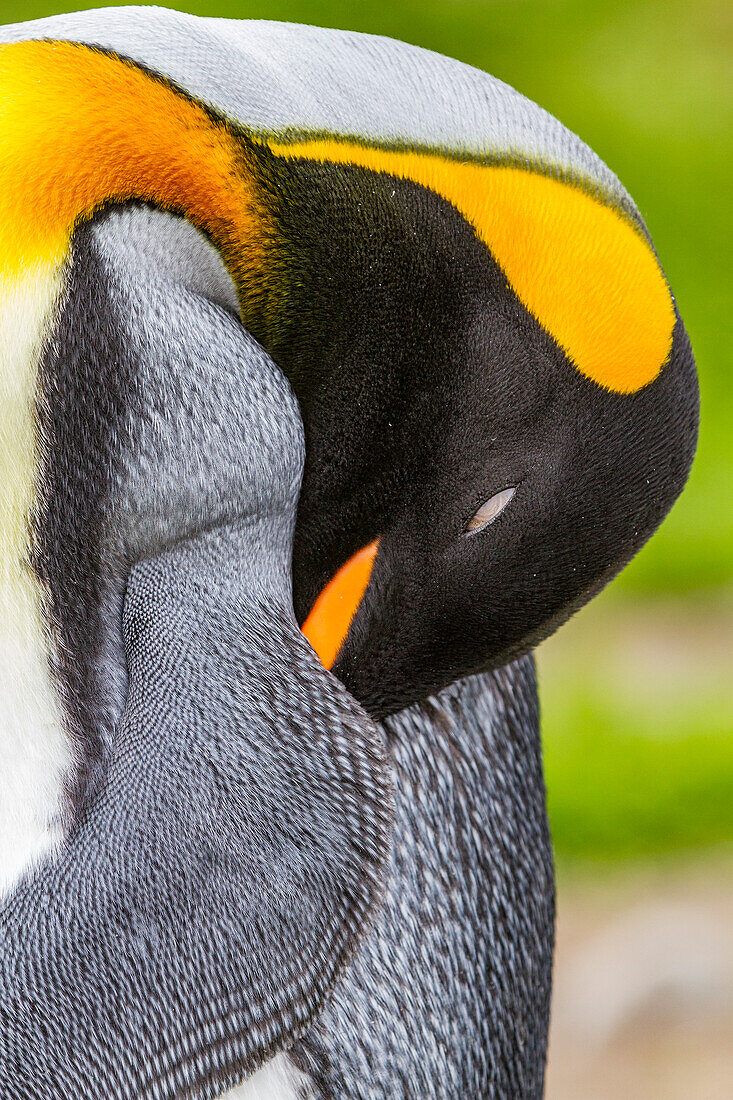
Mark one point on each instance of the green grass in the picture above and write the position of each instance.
(616, 793)
(638, 729)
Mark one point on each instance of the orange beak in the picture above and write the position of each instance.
(332, 614)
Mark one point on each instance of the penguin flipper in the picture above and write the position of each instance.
(214, 887)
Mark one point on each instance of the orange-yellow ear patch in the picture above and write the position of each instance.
(584, 271)
(79, 128)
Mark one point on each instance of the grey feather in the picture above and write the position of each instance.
(449, 996)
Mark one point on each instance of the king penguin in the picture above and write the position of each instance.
(334, 376)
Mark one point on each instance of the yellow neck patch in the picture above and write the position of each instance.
(581, 269)
(81, 128)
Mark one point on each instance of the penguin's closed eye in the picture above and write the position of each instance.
(489, 511)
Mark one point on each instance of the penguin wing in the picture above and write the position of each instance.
(211, 893)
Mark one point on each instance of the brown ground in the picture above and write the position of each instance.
(643, 1006)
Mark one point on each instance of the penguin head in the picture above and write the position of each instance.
(500, 409)
(498, 395)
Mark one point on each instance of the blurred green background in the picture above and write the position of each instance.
(636, 690)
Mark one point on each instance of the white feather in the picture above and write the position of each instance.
(34, 750)
(278, 1080)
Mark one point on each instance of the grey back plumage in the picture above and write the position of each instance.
(282, 78)
(449, 996)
